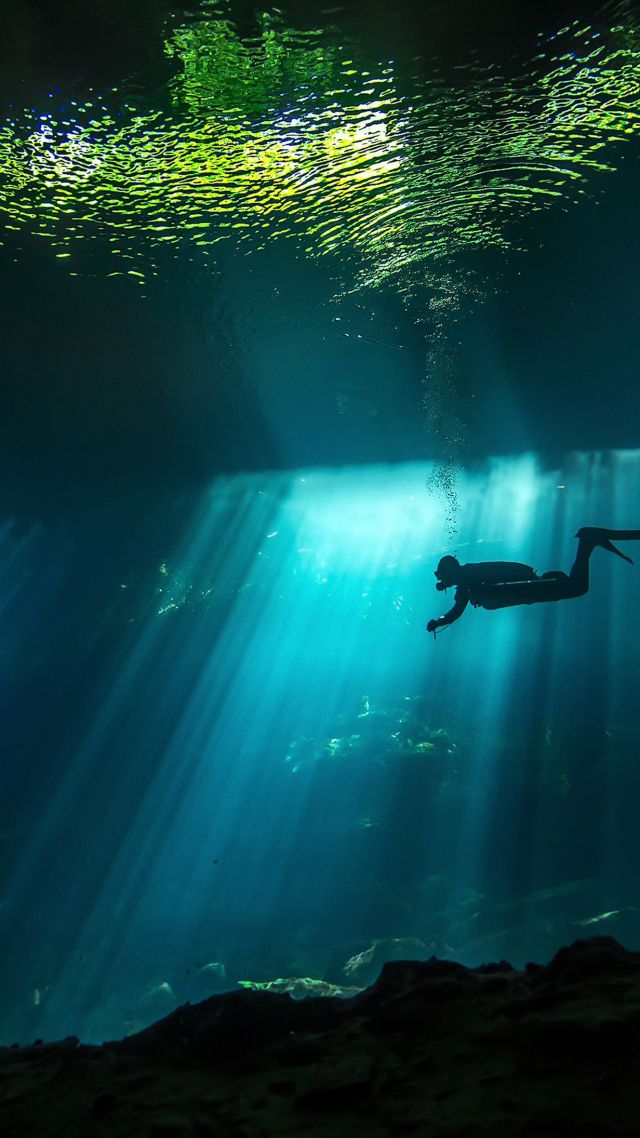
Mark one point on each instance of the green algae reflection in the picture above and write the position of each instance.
(296, 134)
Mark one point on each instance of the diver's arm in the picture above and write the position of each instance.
(460, 604)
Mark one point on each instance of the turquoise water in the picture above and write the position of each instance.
(294, 306)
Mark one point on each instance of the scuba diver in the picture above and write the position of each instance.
(502, 584)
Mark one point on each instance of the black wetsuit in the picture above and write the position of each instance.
(503, 584)
(482, 584)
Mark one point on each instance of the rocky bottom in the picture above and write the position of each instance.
(432, 1048)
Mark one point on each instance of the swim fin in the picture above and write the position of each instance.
(602, 537)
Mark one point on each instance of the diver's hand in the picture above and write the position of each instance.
(432, 625)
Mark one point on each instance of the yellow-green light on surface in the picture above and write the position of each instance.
(290, 134)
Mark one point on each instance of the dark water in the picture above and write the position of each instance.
(294, 302)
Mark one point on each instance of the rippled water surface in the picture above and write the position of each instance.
(268, 129)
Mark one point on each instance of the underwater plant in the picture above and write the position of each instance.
(300, 987)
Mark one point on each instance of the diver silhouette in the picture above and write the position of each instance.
(502, 584)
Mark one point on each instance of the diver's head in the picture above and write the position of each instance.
(448, 572)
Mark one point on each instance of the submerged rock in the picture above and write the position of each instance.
(365, 966)
(432, 1048)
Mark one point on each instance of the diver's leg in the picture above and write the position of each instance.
(555, 585)
(602, 537)
(589, 537)
(579, 571)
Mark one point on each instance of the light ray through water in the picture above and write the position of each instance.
(252, 791)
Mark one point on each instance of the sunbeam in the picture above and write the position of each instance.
(275, 760)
